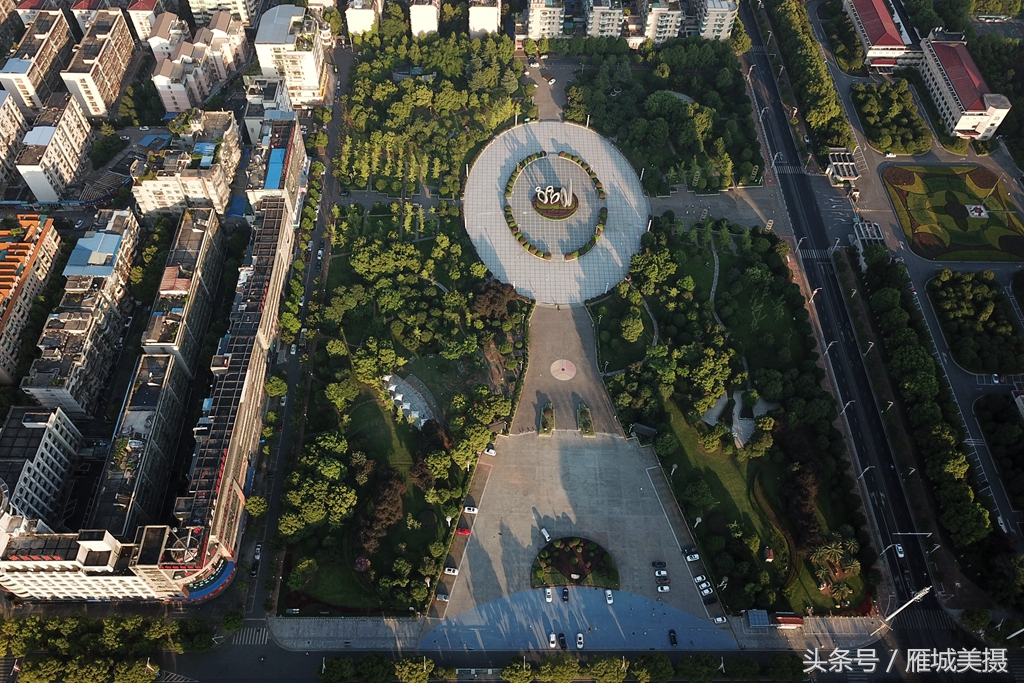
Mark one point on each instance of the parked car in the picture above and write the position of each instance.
(689, 550)
(320, 254)
(552, 641)
(257, 554)
(693, 557)
(255, 569)
(710, 600)
(293, 349)
(663, 580)
(490, 451)
(547, 595)
(561, 641)
(79, 224)
(126, 138)
(890, 155)
(443, 597)
(658, 565)
(899, 550)
(700, 578)
(565, 594)
(546, 535)
(143, 127)
(661, 572)
(462, 531)
(720, 620)
(672, 636)
(284, 400)
(470, 510)
(543, 56)
(453, 571)
(707, 591)
(345, 193)
(664, 589)
(551, 81)
(579, 641)
(608, 598)
(704, 584)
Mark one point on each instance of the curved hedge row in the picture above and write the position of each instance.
(519, 169)
(594, 239)
(521, 238)
(586, 167)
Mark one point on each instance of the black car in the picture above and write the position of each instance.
(710, 600)
(345, 193)
(689, 550)
(561, 641)
(672, 636)
(565, 594)
(658, 565)
(255, 569)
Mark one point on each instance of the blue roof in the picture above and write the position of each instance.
(275, 169)
(94, 256)
(237, 207)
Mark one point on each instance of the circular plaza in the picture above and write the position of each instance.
(560, 228)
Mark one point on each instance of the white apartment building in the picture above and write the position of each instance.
(12, 130)
(86, 11)
(37, 449)
(143, 14)
(32, 70)
(80, 340)
(604, 18)
(484, 17)
(662, 19)
(266, 100)
(26, 262)
(245, 10)
(291, 43)
(968, 108)
(28, 9)
(362, 15)
(55, 149)
(423, 16)
(715, 18)
(545, 19)
(100, 64)
(225, 43)
(169, 32)
(277, 165)
(197, 172)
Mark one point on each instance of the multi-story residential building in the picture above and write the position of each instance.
(95, 74)
(423, 16)
(881, 39)
(196, 171)
(484, 17)
(245, 10)
(169, 32)
(968, 108)
(26, 262)
(604, 18)
(362, 15)
(28, 9)
(195, 559)
(182, 82)
(11, 24)
(32, 71)
(662, 19)
(266, 99)
(138, 467)
(37, 449)
(54, 150)
(278, 166)
(225, 43)
(143, 14)
(715, 18)
(545, 19)
(12, 130)
(182, 308)
(85, 12)
(291, 43)
(81, 339)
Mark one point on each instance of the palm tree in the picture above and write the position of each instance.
(841, 591)
(850, 565)
(852, 545)
(830, 551)
(823, 575)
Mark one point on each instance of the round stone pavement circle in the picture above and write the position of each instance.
(563, 370)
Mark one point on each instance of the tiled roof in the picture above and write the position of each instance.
(142, 5)
(963, 73)
(878, 23)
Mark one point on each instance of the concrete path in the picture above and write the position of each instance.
(556, 333)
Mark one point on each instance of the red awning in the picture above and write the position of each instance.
(885, 61)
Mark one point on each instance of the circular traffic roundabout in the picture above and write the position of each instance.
(555, 210)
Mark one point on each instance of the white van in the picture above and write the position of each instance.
(546, 535)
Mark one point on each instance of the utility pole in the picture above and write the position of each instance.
(915, 598)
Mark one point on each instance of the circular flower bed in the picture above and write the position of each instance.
(574, 561)
(556, 212)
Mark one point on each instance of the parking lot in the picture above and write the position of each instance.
(597, 488)
(550, 99)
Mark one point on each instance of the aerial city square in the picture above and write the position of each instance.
(536, 340)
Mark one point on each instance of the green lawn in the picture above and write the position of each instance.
(337, 584)
(379, 436)
(617, 352)
(931, 201)
(443, 377)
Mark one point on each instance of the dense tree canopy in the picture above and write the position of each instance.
(890, 117)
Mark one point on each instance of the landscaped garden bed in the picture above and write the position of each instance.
(555, 211)
(547, 420)
(933, 206)
(574, 561)
(584, 420)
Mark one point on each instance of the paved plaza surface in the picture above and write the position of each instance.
(558, 333)
(556, 236)
(555, 281)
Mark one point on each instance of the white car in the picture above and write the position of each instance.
(707, 591)
(546, 535)
(608, 596)
(490, 450)
(703, 585)
(579, 641)
(720, 620)
(543, 56)
(320, 254)
(79, 224)
(551, 81)
(294, 349)
(692, 558)
(899, 550)
(552, 641)
(661, 572)
(890, 155)
(454, 571)
(442, 597)
(284, 400)
(548, 597)
(470, 510)
(143, 127)
(256, 556)
(700, 579)
(664, 589)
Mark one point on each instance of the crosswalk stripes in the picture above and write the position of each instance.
(169, 677)
(924, 620)
(789, 169)
(814, 253)
(251, 636)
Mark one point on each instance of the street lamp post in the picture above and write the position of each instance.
(769, 38)
(798, 243)
(830, 346)
(848, 404)
(888, 406)
(871, 345)
(811, 298)
(869, 467)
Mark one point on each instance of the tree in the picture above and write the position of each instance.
(276, 386)
(560, 668)
(375, 668)
(699, 668)
(656, 666)
(785, 666)
(518, 671)
(414, 669)
(741, 42)
(742, 669)
(699, 493)
(632, 325)
(337, 670)
(975, 619)
(87, 669)
(666, 444)
(256, 506)
(607, 669)
(233, 621)
(138, 671)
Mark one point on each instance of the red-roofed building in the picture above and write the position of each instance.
(142, 14)
(968, 108)
(882, 40)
